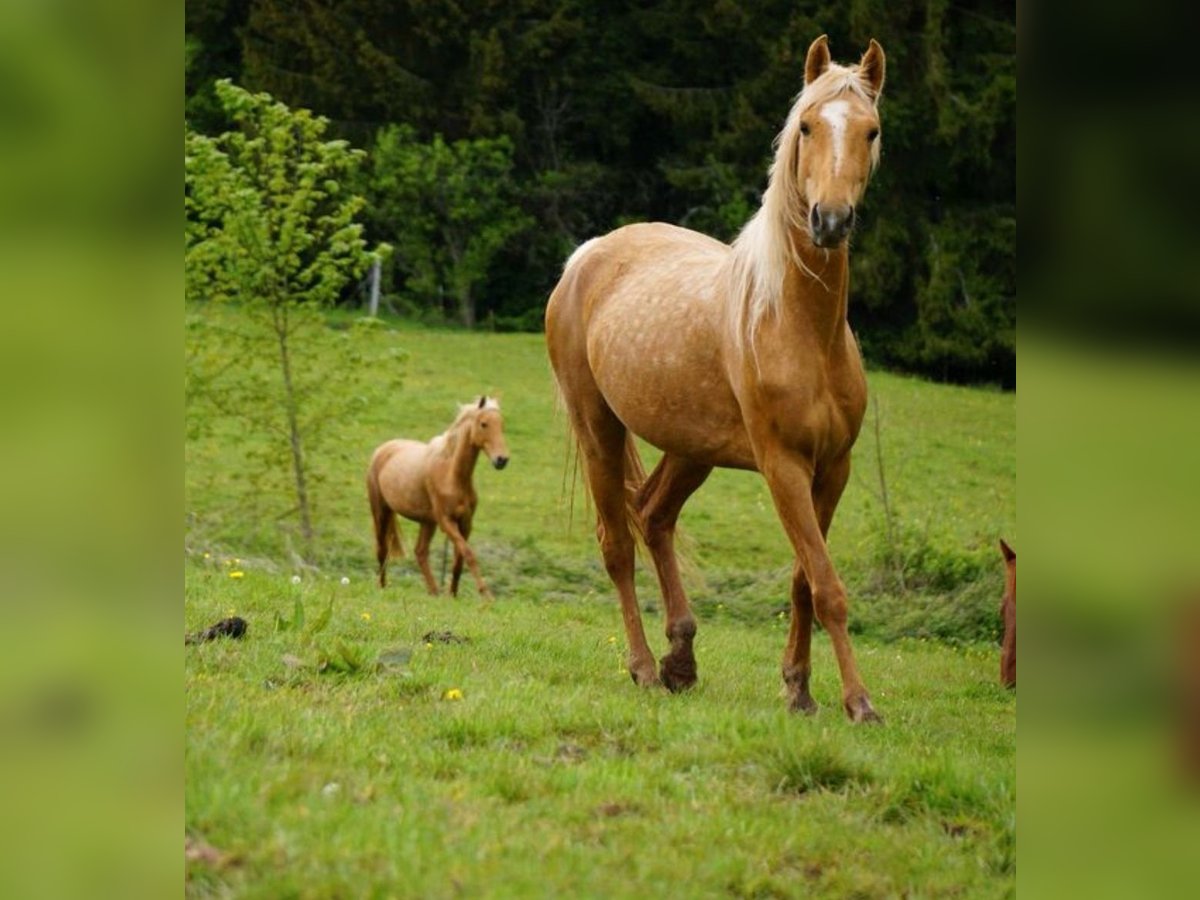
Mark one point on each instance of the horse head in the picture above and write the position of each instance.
(833, 140)
(487, 431)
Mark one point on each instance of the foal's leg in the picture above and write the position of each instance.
(798, 653)
(421, 552)
(790, 479)
(659, 502)
(464, 525)
(462, 548)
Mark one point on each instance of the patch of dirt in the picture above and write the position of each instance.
(444, 637)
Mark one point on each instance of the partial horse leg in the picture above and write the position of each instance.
(797, 655)
(421, 552)
(790, 479)
(797, 665)
(463, 549)
(602, 446)
(659, 502)
(464, 525)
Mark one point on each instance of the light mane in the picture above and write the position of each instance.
(445, 440)
(764, 248)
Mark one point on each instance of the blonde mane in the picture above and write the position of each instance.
(764, 248)
(446, 440)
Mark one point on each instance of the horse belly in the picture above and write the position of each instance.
(659, 368)
(402, 481)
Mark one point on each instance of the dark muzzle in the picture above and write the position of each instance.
(830, 223)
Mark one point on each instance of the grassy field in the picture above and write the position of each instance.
(392, 744)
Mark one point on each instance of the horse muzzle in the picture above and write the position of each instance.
(500, 462)
(830, 223)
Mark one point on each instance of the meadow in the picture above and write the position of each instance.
(360, 742)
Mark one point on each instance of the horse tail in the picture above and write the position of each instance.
(387, 535)
(635, 477)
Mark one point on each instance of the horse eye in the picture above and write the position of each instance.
(804, 128)
(483, 424)
(872, 134)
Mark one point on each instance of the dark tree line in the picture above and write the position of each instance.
(600, 113)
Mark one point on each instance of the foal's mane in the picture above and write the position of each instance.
(765, 246)
(466, 412)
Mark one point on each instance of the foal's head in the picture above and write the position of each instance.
(487, 430)
(834, 140)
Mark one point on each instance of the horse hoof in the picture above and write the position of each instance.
(644, 677)
(861, 712)
(678, 673)
(803, 704)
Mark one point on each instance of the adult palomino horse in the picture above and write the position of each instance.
(736, 356)
(431, 485)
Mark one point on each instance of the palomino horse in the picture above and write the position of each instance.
(431, 485)
(736, 356)
(1008, 613)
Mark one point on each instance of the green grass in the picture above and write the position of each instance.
(318, 772)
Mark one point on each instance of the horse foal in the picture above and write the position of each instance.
(430, 484)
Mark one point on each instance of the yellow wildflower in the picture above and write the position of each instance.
(365, 616)
(237, 573)
(452, 694)
(429, 644)
(611, 639)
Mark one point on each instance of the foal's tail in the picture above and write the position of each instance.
(387, 535)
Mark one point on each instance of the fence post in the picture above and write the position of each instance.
(374, 302)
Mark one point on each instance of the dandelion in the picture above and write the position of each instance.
(295, 579)
(429, 644)
(611, 639)
(345, 580)
(365, 616)
(720, 606)
(781, 615)
(237, 573)
(452, 694)
(208, 556)
(231, 612)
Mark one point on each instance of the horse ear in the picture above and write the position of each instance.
(817, 60)
(872, 68)
(1009, 554)
(482, 400)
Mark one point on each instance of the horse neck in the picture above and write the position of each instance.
(462, 452)
(813, 301)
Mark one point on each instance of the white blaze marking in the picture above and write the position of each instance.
(834, 112)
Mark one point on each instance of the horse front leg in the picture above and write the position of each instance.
(463, 549)
(790, 478)
(421, 552)
(464, 525)
(797, 656)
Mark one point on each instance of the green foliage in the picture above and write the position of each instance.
(667, 111)
(449, 209)
(270, 225)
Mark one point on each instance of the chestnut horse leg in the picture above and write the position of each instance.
(797, 656)
(601, 439)
(790, 479)
(659, 502)
(421, 552)
(463, 549)
(464, 525)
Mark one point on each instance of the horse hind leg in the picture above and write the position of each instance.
(601, 439)
(659, 503)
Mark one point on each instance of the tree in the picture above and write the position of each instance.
(271, 226)
(449, 209)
